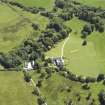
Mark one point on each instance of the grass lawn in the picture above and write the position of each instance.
(48, 4)
(95, 3)
(15, 26)
(82, 60)
(14, 90)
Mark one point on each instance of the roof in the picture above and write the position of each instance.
(58, 61)
(29, 65)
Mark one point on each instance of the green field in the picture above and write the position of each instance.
(82, 60)
(55, 93)
(95, 3)
(48, 4)
(15, 26)
(57, 88)
(14, 90)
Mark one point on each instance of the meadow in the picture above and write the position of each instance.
(16, 26)
(54, 90)
(95, 3)
(14, 90)
(48, 4)
(82, 60)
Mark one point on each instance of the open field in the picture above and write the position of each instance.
(56, 86)
(48, 4)
(95, 3)
(14, 90)
(15, 26)
(82, 60)
(54, 90)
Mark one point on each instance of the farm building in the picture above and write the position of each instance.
(59, 62)
(29, 65)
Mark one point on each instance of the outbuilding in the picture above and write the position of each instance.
(58, 61)
(29, 65)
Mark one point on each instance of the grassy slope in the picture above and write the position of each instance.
(52, 90)
(14, 91)
(38, 3)
(88, 60)
(96, 3)
(15, 26)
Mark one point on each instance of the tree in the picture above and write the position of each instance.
(90, 79)
(69, 102)
(84, 43)
(64, 34)
(38, 64)
(89, 96)
(36, 91)
(84, 34)
(27, 77)
(87, 28)
(41, 101)
(86, 86)
(95, 19)
(60, 4)
(10, 61)
(35, 26)
(101, 96)
(104, 82)
(48, 42)
(81, 79)
(56, 24)
(39, 83)
(100, 77)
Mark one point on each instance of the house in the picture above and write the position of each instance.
(58, 61)
(29, 65)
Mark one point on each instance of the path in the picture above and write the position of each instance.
(33, 83)
(62, 49)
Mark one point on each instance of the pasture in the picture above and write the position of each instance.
(54, 89)
(48, 4)
(14, 90)
(94, 3)
(16, 26)
(82, 60)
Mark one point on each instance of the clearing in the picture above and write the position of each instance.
(82, 60)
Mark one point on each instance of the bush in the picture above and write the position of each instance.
(27, 77)
(86, 86)
(84, 43)
(35, 26)
(100, 77)
(60, 4)
(104, 82)
(41, 101)
(102, 97)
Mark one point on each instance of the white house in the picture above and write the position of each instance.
(29, 65)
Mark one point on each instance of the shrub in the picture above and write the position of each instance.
(86, 86)
(100, 77)
(101, 96)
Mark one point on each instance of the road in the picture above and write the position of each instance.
(63, 46)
